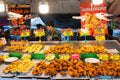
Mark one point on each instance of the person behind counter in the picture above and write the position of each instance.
(53, 34)
(39, 27)
(5, 34)
(2, 32)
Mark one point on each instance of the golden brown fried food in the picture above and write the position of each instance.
(70, 73)
(56, 66)
(63, 73)
(42, 64)
(91, 49)
(19, 66)
(118, 74)
(62, 49)
(76, 68)
(75, 73)
(1, 60)
(37, 71)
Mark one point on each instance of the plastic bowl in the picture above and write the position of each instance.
(88, 55)
(37, 56)
(15, 54)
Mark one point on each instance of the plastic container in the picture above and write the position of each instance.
(15, 54)
(37, 56)
(88, 55)
(91, 60)
(57, 55)
(75, 56)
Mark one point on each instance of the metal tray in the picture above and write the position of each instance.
(30, 75)
(68, 77)
(2, 74)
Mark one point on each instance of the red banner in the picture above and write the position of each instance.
(23, 9)
(93, 17)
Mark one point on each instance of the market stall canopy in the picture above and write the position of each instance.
(37, 20)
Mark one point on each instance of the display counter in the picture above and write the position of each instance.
(110, 45)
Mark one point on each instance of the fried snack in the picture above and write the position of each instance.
(63, 73)
(109, 68)
(38, 70)
(76, 68)
(106, 68)
(50, 71)
(19, 66)
(33, 48)
(60, 49)
(91, 49)
(18, 45)
(57, 66)
(91, 69)
(43, 64)
(1, 60)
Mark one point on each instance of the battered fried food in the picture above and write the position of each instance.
(19, 66)
(1, 60)
(62, 49)
(38, 70)
(76, 68)
(63, 73)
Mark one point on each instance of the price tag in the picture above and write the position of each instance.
(25, 33)
(100, 38)
(39, 33)
(75, 56)
(68, 32)
(84, 31)
(100, 34)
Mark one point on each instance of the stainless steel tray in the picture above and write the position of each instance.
(108, 44)
(30, 75)
(58, 76)
(2, 74)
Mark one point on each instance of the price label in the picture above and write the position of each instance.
(84, 31)
(39, 33)
(82, 34)
(25, 33)
(99, 34)
(100, 38)
(68, 32)
(75, 56)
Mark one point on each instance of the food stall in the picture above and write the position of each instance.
(94, 59)
(60, 60)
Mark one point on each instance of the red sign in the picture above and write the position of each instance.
(23, 9)
(20, 8)
(75, 56)
(93, 16)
